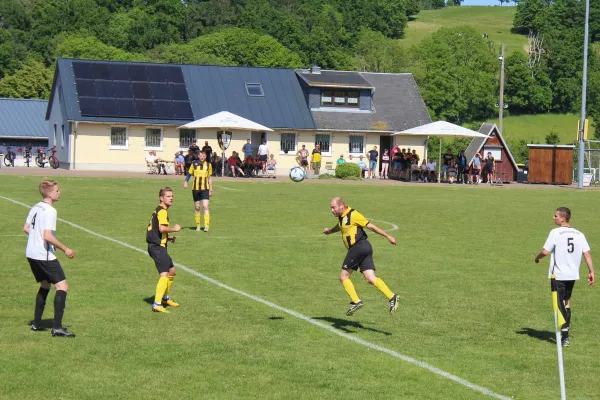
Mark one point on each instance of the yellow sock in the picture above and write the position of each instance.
(169, 285)
(161, 289)
(197, 218)
(206, 220)
(349, 288)
(380, 284)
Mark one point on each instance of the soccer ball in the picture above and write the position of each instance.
(297, 174)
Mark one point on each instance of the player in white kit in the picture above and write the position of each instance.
(41, 228)
(566, 245)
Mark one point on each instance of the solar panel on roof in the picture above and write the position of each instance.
(137, 73)
(164, 109)
(123, 90)
(85, 87)
(101, 71)
(104, 88)
(107, 107)
(88, 106)
(174, 74)
(126, 108)
(178, 91)
(145, 109)
(182, 110)
(82, 70)
(141, 90)
(160, 91)
(119, 72)
(155, 73)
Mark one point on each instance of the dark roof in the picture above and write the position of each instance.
(338, 79)
(477, 144)
(212, 89)
(397, 105)
(23, 118)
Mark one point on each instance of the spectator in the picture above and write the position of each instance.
(188, 158)
(449, 156)
(395, 150)
(432, 170)
(385, 164)
(415, 155)
(398, 159)
(235, 164)
(263, 155)
(316, 160)
(217, 163)
(341, 160)
(415, 171)
(463, 168)
(452, 172)
(373, 154)
(351, 159)
(179, 162)
(247, 149)
(490, 167)
(302, 157)
(150, 161)
(272, 165)
(363, 166)
(476, 169)
(194, 148)
(208, 150)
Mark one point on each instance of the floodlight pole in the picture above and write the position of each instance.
(501, 105)
(583, 97)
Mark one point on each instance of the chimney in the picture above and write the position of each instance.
(315, 70)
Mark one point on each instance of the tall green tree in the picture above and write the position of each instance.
(86, 46)
(32, 81)
(377, 53)
(526, 91)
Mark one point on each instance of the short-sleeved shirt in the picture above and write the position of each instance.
(489, 162)
(303, 154)
(431, 166)
(340, 161)
(154, 235)
(263, 150)
(316, 155)
(373, 155)
(362, 164)
(416, 156)
(351, 225)
(180, 159)
(477, 162)
(201, 173)
(208, 150)
(566, 246)
(385, 158)
(41, 217)
(247, 149)
(448, 158)
(194, 148)
(272, 162)
(151, 158)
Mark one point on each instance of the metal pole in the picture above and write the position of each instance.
(501, 107)
(583, 97)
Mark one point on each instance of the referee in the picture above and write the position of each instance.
(566, 245)
(360, 252)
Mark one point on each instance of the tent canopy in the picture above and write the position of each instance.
(441, 128)
(226, 121)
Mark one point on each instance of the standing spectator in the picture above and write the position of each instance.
(373, 154)
(263, 155)
(188, 158)
(247, 149)
(476, 169)
(209, 152)
(340, 160)
(194, 148)
(415, 155)
(449, 156)
(385, 164)
(272, 165)
(463, 168)
(316, 160)
(363, 166)
(398, 159)
(179, 162)
(395, 166)
(302, 157)
(490, 167)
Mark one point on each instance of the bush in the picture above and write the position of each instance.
(347, 169)
(325, 176)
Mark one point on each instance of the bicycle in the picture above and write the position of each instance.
(9, 159)
(54, 163)
(40, 158)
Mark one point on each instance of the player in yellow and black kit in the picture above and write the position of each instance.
(360, 252)
(157, 237)
(201, 171)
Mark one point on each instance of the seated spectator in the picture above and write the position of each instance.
(351, 159)
(151, 161)
(432, 170)
(272, 165)
(235, 164)
(452, 171)
(415, 171)
(363, 166)
(217, 162)
(340, 160)
(179, 162)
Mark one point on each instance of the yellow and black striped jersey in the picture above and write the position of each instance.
(154, 235)
(351, 225)
(201, 173)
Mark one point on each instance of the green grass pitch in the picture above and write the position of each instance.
(473, 303)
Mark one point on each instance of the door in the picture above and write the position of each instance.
(385, 142)
(256, 139)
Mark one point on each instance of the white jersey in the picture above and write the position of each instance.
(41, 217)
(566, 246)
(263, 150)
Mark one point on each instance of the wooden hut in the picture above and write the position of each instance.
(549, 163)
(506, 167)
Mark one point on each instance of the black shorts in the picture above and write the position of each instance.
(304, 163)
(262, 158)
(200, 195)
(161, 257)
(565, 289)
(359, 256)
(50, 271)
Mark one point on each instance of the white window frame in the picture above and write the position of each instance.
(496, 153)
(363, 145)
(62, 137)
(326, 153)
(119, 147)
(55, 138)
(293, 151)
(158, 148)
(195, 139)
(254, 84)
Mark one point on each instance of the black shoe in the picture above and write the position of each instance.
(354, 307)
(565, 342)
(62, 332)
(37, 328)
(393, 303)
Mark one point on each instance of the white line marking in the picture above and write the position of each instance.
(226, 188)
(302, 317)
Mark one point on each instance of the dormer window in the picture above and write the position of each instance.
(254, 89)
(339, 98)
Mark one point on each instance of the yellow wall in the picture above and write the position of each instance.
(92, 149)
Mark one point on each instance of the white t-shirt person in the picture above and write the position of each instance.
(151, 158)
(41, 217)
(566, 246)
(263, 150)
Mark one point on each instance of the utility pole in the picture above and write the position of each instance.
(583, 97)
(501, 105)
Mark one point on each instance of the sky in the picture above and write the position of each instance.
(485, 3)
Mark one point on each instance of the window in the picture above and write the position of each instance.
(118, 137)
(324, 140)
(254, 89)
(496, 153)
(153, 139)
(62, 142)
(356, 144)
(55, 140)
(186, 138)
(340, 98)
(288, 143)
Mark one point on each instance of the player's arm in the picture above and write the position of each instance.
(50, 238)
(26, 227)
(381, 232)
(588, 261)
(188, 176)
(163, 223)
(541, 255)
(328, 231)
(168, 229)
(210, 185)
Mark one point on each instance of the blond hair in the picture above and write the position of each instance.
(46, 187)
(164, 191)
